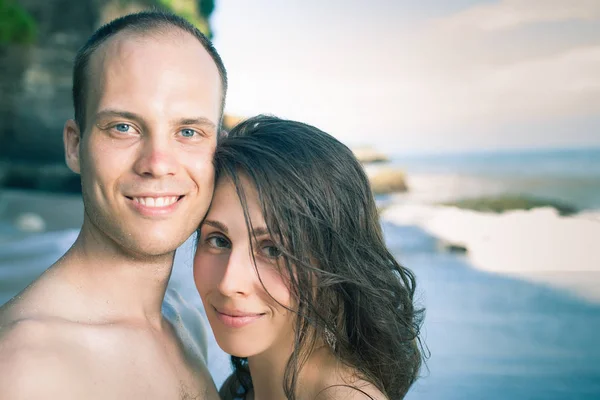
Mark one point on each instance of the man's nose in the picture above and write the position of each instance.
(157, 157)
(239, 275)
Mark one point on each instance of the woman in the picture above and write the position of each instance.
(296, 280)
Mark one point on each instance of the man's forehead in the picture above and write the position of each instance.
(129, 43)
(146, 59)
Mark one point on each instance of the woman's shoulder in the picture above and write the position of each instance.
(359, 390)
(332, 380)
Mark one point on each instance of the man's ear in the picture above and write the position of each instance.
(72, 139)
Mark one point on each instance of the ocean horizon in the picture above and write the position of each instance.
(570, 175)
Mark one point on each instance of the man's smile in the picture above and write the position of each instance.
(155, 205)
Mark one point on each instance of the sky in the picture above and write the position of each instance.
(419, 76)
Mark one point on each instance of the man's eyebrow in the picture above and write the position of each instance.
(198, 121)
(118, 113)
(216, 224)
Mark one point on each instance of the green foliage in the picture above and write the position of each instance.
(206, 7)
(192, 10)
(510, 202)
(17, 26)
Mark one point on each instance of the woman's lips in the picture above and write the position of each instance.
(236, 319)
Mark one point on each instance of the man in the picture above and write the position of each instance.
(148, 93)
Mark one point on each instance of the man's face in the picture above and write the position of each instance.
(146, 156)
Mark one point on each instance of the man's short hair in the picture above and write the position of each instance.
(142, 22)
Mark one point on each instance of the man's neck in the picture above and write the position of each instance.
(108, 284)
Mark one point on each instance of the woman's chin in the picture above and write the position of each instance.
(241, 350)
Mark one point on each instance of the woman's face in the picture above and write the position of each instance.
(245, 319)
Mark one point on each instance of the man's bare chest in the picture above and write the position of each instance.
(125, 365)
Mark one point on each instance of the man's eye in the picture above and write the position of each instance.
(124, 128)
(218, 242)
(188, 133)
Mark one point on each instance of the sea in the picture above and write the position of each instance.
(487, 336)
(569, 176)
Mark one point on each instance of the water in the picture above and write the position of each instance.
(556, 163)
(493, 337)
(568, 175)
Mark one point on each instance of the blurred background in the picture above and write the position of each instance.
(477, 121)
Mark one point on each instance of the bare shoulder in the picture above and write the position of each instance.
(358, 390)
(336, 381)
(17, 336)
(32, 365)
(330, 379)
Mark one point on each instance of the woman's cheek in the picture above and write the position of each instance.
(276, 285)
(204, 271)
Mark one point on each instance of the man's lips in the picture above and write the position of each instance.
(236, 318)
(155, 204)
(156, 201)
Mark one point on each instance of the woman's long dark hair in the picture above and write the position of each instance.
(319, 209)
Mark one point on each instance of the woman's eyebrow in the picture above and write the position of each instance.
(216, 224)
(256, 232)
(260, 231)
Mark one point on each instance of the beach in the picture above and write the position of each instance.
(512, 299)
(537, 245)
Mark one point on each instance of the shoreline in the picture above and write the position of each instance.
(31, 211)
(537, 245)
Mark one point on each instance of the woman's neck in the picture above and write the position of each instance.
(268, 369)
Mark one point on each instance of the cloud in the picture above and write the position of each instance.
(447, 80)
(513, 13)
(487, 65)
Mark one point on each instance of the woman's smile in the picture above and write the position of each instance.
(236, 318)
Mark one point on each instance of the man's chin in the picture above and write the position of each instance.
(150, 246)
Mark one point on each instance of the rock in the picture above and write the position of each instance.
(368, 155)
(387, 180)
(499, 204)
(36, 85)
(30, 222)
(455, 248)
(229, 121)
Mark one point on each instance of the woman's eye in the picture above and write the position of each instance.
(271, 251)
(218, 242)
(188, 133)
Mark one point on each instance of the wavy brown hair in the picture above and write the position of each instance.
(318, 206)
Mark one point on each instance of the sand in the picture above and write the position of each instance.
(537, 245)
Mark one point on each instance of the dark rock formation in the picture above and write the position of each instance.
(35, 80)
(499, 204)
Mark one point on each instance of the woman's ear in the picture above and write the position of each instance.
(72, 139)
